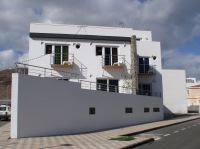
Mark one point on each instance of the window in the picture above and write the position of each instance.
(92, 111)
(110, 85)
(128, 110)
(48, 49)
(98, 51)
(61, 54)
(156, 109)
(145, 89)
(146, 110)
(144, 65)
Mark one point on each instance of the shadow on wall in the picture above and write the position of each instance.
(152, 77)
(168, 114)
(74, 72)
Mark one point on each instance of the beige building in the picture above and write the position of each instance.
(193, 95)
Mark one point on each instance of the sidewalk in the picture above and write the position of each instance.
(97, 140)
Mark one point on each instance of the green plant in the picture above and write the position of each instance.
(123, 138)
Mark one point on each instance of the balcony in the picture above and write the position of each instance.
(146, 70)
(62, 60)
(113, 61)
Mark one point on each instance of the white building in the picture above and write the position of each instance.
(99, 54)
(114, 73)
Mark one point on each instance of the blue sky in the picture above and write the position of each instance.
(176, 23)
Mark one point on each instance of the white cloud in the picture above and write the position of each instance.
(8, 58)
(173, 22)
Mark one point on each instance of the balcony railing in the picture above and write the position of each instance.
(33, 70)
(113, 61)
(146, 70)
(113, 88)
(63, 60)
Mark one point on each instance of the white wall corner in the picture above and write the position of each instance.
(14, 106)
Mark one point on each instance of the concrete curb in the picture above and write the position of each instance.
(158, 127)
(138, 143)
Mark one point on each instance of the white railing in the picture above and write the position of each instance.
(64, 75)
(62, 59)
(44, 72)
(113, 60)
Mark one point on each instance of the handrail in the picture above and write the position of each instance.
(113, 88)
(44, 68)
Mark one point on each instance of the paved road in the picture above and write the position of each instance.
(181, 136)
(3, 123)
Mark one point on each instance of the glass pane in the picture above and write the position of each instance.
(98, 51)
(65, 54)
(102, 85)
(113, 86)
(107, 56)
(57, 54)
(146, 60)
(141, 68)
(114, 55)
(48, 49)
(141, 61)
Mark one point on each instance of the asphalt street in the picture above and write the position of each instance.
(180, 136)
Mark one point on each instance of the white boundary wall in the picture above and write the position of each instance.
(174, 91)
(44, 107)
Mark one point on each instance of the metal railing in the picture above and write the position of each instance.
(146, 69)
(113, 88)
(113, 60)
(104, 87)
(23, 68)
(62, 59)
(64, 75)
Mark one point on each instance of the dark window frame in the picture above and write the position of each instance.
(99, 53)
(128, 110)
(47, 51)
(146, 110)
(92, 111)
(156, 109)
(144, 65)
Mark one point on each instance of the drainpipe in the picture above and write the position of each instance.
(134, 65)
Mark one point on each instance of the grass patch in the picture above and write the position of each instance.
(123, 138)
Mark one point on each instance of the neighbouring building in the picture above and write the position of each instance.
(193, 94)
(114, 73)
(5, 86)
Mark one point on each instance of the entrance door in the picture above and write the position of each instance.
(57, 55)
(102, 84)
(61, 54)
(113, 86)
(107, 60)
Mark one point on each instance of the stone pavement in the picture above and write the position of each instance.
(96, 140)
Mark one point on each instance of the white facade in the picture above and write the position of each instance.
(43, 109)
(86, 63)
(174, 91)
(79, 54)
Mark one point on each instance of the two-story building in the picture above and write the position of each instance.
(88, 78)
(109, 56)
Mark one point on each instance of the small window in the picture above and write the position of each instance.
(156, 109)
(129, 110)
(146, 110)
(98, 51)
(48, 49)
(92, 111)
